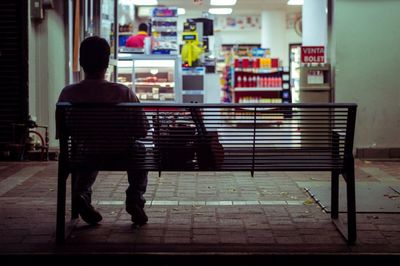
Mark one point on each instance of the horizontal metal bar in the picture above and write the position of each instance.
(216, 105)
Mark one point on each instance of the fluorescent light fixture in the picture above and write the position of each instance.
(223, 2)
(125, 2)
(145, 2)
(220, 11)
(295, 2)
(181, 11)
(144, 11)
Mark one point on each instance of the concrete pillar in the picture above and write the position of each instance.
(315, 23)
(273, 34)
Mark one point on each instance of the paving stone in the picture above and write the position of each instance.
(12, 239)
(231, 238)
(206, 239)
(289, 240)
(122, 238)
(177, 240)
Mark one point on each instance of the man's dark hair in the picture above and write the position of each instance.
(143, 27)
(94, 54)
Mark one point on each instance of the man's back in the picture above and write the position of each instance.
(101, 91)
(97, 91)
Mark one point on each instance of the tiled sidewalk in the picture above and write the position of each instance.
(193, 213)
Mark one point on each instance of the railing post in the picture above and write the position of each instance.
(158, 157)
(335, 177)
(254, 141)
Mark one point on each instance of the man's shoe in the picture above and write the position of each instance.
(139, 217)
(87, 212)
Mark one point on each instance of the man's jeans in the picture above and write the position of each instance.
(134, 194)
(137, 179)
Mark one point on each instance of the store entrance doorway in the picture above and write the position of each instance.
(294, 70)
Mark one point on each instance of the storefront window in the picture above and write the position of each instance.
(107, 23)
(107, 31)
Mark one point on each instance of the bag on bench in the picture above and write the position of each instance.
(209, 150)
(174, 141)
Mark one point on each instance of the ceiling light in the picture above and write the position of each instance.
(295, 2)
(144, 11)
(223, 2)
(220, 11)
(145, 2)
(181, 11)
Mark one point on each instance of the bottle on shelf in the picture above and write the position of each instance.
(239, 82)
(273, 82)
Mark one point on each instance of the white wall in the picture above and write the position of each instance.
(367, 68)
(47, 66)
(239, 36)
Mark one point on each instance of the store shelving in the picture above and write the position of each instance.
(266, 85)
(250, 89)
(164, 30)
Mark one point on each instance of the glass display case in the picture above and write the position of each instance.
(154, 78)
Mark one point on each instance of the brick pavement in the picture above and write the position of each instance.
(207, 212)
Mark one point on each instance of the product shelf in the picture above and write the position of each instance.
(250, 89)
(162, 84)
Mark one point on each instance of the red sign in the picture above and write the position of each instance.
(312, 54)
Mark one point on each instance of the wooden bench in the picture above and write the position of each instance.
(210, 137)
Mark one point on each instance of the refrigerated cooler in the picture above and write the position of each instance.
(154, 78)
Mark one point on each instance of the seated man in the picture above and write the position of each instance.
(94, 58)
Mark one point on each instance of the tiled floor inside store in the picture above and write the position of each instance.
(195, 213)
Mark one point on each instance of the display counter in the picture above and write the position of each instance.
(199, 86)
(154, 78)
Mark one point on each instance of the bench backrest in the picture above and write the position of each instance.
(207, 136)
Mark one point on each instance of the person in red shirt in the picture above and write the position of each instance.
(137, 41)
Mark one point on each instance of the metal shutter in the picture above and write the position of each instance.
(13, 67)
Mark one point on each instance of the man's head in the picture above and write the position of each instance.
(143, 27)
(94, 55)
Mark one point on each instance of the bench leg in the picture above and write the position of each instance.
(334, 194)
(350, 231)
(61, 193)
(74, 210)
(351, 205)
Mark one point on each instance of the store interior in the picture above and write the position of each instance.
(211, 51)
